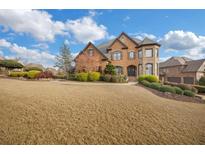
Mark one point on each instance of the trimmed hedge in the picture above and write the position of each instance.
(114, 78)
(178, 90)
(94, 76)
(18, 74)
(155, 85)
(82, 76)
(167, 88)
(182, 86)
(60, 76)
(189, 93)
(33, 74)
(150, 78)
(33, 69)
(46, 74)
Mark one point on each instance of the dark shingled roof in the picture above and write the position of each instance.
(174, 61)
(194, 66)
(189, 65)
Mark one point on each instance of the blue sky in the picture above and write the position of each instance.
(36, 35)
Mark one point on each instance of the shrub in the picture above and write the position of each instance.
(83, 76)
(141, 78)
(18, 74)
(33, 69)
(155, 85)
(201, 89)
(33, 74)
(178, 90)
(182, 86)
(145, 83)
(46, 74)
(202, 81)
(150, 78)
(167, 88)
(189, 93)
(106, 77)
(110, 69)
(93, 76)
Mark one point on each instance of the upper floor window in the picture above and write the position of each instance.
(140, 54)
(90, 52)
(149, 69)
(131, 55)
(148, 53)
(117, 55)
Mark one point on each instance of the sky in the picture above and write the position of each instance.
(35, 36)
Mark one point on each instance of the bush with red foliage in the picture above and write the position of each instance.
(46, 74)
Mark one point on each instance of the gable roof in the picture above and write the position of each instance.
(174, 61)
(103, 47)
(89, 43)
(117, 39)
(194, 66)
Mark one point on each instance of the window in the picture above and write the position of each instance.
(148, 53)
(131, 55)
(119, 70)
(140, 54)
(90, 52)
(122, 39)
(140, 69)
(149, 69)
(117, 55)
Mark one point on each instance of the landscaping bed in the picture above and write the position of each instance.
(173, 96)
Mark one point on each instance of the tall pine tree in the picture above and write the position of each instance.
(64, 59)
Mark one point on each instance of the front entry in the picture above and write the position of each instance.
(131, 70)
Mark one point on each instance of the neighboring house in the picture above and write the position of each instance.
(182, 70)
(131, 57)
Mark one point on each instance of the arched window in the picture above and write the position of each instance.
(119, 69)
(131, 55)
(149, 69)
(117, 55)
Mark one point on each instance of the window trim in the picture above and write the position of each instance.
(133, 55)
(90, 49)
(146, 53)
(118, 51)
(139, 53)
(152, 73)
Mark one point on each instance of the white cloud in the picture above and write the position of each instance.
(126, 18)
(41, 46)
(85, 29)
(37, 23)
(28, 55)
(188, 42)
(141, 36)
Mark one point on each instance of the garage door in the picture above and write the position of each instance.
(174, 79)
(189, 80)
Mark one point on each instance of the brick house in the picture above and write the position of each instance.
(131, 57)
(182, 70)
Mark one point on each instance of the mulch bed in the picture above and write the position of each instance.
(177, 97)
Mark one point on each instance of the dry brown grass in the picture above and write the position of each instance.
(55, 113)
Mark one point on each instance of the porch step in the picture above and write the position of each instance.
(131, 78)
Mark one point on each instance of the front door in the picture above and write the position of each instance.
(131, 70)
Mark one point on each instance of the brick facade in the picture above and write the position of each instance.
(124, 45)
